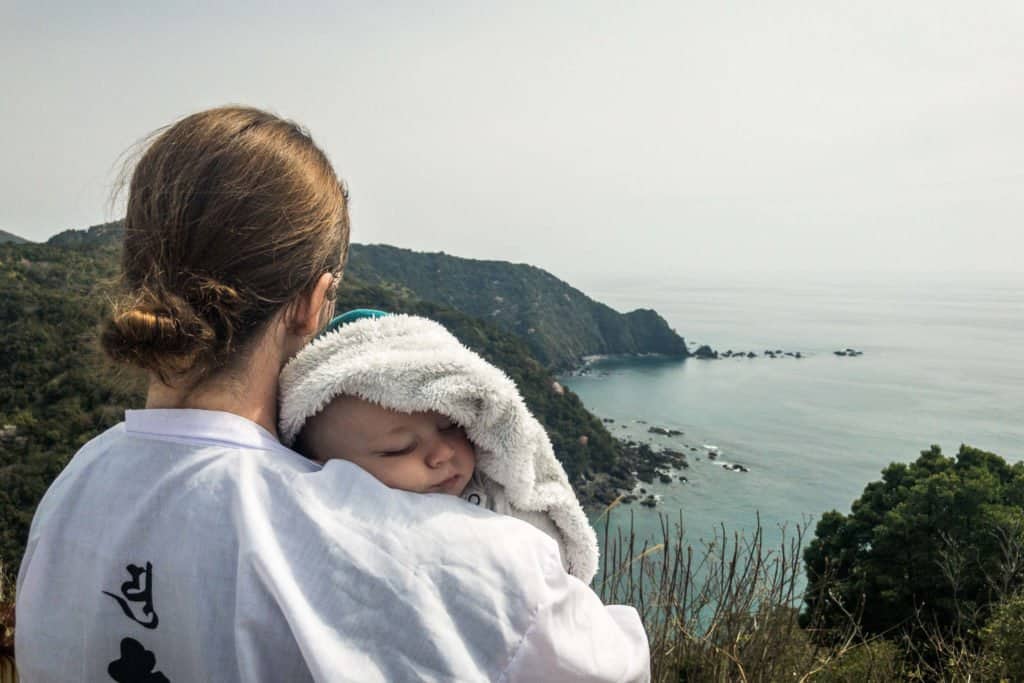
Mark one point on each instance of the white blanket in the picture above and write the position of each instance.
(412, 364)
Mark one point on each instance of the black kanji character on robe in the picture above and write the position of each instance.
(136, 591)
(135, 665)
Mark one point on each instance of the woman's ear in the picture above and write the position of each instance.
(313, 309)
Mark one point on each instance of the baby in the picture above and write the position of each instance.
(402, 398)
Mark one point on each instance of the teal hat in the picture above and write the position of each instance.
(351, 316)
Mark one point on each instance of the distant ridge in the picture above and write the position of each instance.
(559, 323)
(97, 235)
(10, 238)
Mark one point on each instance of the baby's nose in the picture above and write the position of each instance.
(441, 453)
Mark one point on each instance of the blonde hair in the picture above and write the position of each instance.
(232, 213)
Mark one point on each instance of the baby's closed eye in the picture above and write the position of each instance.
(401, 450)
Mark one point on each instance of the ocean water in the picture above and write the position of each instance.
(942, 363)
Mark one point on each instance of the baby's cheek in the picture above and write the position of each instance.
(417, 476)
(396, 477)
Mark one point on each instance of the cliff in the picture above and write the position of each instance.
(559, 323)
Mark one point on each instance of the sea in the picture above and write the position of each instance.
(942, 363)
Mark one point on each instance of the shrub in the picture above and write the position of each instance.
(725, 610)
(873, 661)
(1002, 640)
(926, 550)
(6, 614)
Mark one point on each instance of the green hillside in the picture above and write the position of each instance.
(55, 390)
(104, 234)
(559, 323)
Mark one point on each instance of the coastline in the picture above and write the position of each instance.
(644, 461)
(638, 463)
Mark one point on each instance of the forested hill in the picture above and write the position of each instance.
(104, 234)
(559, 323)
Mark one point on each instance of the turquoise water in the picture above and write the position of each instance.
(943, 364)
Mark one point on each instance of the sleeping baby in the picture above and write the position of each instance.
(403, 399)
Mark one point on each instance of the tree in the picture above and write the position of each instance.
(930, 547)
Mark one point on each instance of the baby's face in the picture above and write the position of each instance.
(420, 452)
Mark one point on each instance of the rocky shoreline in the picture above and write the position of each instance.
(639, 463)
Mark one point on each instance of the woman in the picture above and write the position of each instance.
(188, 544)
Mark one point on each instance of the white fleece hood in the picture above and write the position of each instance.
(412, 364)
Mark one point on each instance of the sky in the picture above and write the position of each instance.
(591, 137)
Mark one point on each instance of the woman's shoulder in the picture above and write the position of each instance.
(427, 533)
(128, 446)
(126, 465)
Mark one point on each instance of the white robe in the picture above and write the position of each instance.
(192, 545)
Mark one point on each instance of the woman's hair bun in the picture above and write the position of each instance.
(161, 334)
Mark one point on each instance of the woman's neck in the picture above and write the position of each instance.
(251, 394)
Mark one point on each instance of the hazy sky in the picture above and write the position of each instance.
(672, 137)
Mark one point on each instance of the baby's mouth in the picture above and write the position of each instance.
(448, 483)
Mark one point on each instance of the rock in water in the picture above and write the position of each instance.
(705, 352)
